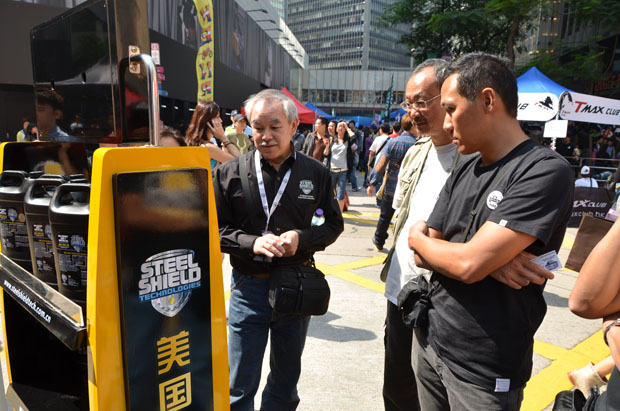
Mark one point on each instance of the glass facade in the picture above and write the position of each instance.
(344, 34)
(360, 92)
(280, 7)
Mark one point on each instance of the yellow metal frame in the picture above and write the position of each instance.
(106, 384)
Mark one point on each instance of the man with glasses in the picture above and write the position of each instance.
(510, 201)
(423, 171)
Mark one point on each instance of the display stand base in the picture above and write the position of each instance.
(37, 399)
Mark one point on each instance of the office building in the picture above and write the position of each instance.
(345, 34)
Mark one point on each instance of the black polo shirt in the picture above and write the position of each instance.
(484, 331)
(309, 188)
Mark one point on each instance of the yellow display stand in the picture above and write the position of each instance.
(101, 331)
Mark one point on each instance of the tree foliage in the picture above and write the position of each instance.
(578, 65)
(460, 26)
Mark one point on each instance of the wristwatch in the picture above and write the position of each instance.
(615, 323)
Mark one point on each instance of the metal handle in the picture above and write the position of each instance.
(153, 89)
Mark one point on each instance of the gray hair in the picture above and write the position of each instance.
(439, 67)
(271, 96)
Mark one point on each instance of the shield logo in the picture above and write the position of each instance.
(78, 243)
(306, 186)
(171, 305)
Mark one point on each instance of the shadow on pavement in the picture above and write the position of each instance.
(555, 300)
(320, 328)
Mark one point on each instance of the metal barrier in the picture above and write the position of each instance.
(600, 168)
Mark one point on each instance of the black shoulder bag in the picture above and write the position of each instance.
(293, 289)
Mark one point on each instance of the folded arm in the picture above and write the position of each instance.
(492, 247)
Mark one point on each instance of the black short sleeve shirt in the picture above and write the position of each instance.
(484, 331)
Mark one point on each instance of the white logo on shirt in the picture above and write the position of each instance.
(306, 186)
(494, 199)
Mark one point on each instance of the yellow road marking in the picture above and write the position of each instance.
(568, 241)
(354, 265)
(347, 215)
(359, 219)
(543, 387)
(354, 213)
(357, 279)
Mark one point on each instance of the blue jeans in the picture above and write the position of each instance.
(352, 178)
(381, 233)
(339, 182)
(250, 319)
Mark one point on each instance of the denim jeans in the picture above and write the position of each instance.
(250, 320)
(339, 182)
(352, 178)
(381, 233)
(440, 389)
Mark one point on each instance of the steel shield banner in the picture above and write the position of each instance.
(162, 222)
(204, 59)
(589, 109)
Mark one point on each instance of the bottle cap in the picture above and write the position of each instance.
(319, 212)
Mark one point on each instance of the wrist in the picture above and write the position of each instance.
(608, 330)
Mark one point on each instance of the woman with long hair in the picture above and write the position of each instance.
(205, 127)
(339, 152)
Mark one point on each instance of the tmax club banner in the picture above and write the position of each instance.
(204, 59)
(589, 109)
(162, 223)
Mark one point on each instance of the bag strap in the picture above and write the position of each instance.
(382, 145)
(245, 183)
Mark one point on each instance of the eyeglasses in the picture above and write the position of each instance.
(418, 105)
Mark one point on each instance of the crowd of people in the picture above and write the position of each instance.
(462, 179)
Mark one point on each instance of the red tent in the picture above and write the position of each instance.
(306, 116)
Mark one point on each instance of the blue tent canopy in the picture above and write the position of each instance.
(397, 114)
(359, 120)
(318, 111)
(534, 81)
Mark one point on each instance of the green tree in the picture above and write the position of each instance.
(460, 26)
(578, 65)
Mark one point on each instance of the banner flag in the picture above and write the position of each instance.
(537, 106)
(589, 109)
(389, 99)
(204, 59)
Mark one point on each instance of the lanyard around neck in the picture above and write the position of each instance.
(261, 189)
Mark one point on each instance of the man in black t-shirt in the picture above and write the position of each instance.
(510, 202)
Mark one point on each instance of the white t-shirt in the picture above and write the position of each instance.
(586, 182)
(378, 142)
(434, 175)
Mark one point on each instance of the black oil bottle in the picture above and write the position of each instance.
(15, 245)
(68, 214)
(36, 206)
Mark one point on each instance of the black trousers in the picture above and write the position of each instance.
(399, 386)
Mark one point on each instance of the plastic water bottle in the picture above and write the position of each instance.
(318, 218)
